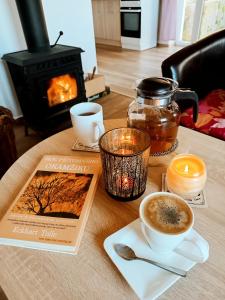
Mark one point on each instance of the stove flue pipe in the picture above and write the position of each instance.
(34, 26)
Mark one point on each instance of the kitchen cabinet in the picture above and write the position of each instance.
(106, 17)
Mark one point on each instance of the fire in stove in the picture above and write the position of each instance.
(61, 89)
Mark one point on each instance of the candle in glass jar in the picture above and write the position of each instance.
(125, 182)
(186, 175)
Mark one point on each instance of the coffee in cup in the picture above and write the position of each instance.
(87, 113)
(167, 221)
(168, 214)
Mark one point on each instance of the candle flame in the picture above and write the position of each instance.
(125, 180)
(186, 169)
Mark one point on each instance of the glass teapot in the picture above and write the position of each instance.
(156, 111)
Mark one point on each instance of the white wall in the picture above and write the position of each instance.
(73, 17)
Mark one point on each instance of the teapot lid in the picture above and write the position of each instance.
(156, 87)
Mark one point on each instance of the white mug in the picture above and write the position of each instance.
(87, 120)
(165, 243)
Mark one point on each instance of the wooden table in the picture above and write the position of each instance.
(32, 274)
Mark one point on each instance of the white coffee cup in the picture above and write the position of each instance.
(163, 242)
(87, 120)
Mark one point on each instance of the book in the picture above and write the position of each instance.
(52, 208)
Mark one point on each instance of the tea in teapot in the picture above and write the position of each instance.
(155, 110)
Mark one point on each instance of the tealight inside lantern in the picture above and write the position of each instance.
(124, 154)
(186, 175)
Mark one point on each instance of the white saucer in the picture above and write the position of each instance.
(147, 281)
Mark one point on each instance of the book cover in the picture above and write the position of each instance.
(52, 208)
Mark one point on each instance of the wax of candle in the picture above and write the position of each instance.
(186, 175)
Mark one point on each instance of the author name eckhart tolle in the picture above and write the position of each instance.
(30, 231)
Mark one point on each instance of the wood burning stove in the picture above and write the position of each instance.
(34, 76)
(48, 79)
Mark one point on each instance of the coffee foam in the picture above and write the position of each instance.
(168, 214)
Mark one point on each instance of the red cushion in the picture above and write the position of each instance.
(211, 117)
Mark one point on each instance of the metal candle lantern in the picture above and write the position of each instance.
(124, 154)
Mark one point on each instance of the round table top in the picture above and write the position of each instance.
(27, 273)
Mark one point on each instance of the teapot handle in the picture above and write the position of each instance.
(186, 94)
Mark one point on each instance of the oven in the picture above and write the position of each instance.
(130, 15)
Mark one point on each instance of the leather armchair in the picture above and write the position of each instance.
(200, 66)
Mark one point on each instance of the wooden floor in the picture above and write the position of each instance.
(121, 68)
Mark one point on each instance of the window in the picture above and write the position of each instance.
(199, 18)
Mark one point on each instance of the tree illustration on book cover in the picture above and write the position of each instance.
(54, 194)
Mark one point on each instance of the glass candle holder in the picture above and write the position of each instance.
(124, 155)
(186, 175)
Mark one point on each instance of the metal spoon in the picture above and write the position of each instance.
(128, 254)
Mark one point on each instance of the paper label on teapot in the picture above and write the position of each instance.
(136, 116)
